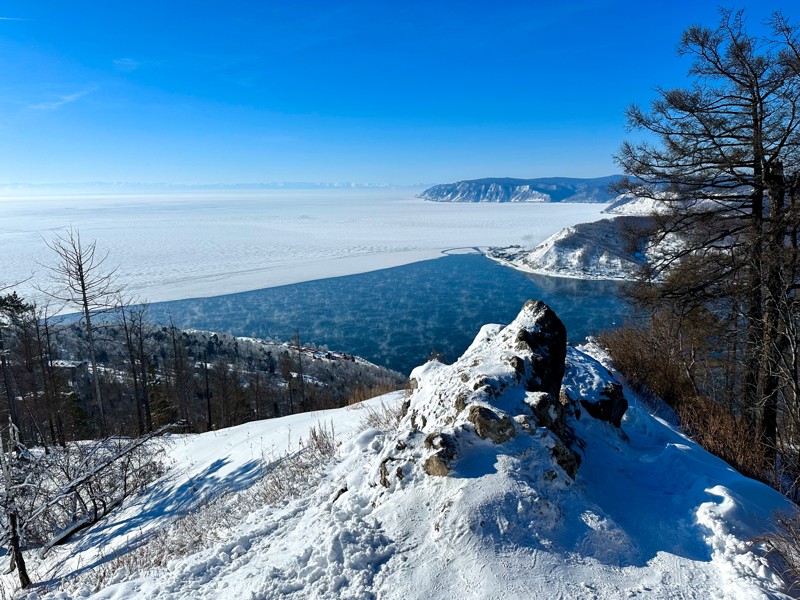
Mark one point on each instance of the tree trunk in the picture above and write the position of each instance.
(148, 416)
(98, 399)
(17, 558)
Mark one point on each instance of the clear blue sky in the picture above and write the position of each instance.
(374, 91)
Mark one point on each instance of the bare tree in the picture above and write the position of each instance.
(82, 280)
(137, 330)
(13, 471)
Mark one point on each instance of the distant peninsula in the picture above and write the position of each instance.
(508, 189)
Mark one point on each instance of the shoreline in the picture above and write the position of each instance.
(548, 273)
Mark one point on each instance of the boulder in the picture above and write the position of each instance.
(444, 447)
(610, 404)
(489, 426)
(548, 411)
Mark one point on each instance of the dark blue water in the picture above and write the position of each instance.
(397, 317)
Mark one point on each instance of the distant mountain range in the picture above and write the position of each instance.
(138, 186)
(508, 189)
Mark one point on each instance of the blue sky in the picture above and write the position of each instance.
(385, 92)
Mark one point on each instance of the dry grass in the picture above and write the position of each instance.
(210, 522)
(385, 417)
(291, 475)
(362, 393)
(215, 518)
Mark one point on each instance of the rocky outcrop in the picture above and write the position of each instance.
(614, 249)
(505, 387)
(505, 395)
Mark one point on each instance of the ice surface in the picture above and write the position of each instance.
(205, 244)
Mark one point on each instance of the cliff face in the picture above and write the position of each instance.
(546, 189)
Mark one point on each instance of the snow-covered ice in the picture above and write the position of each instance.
(177, 246)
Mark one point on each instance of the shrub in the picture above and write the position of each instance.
(384, 417)
(677, 365)
(783, 546)
(724, 435)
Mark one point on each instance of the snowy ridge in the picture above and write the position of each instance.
(475, 494)
(613, 249)
(467, 191)
(506, 189)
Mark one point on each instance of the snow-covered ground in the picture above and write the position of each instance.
(648, 515)
(177, 246)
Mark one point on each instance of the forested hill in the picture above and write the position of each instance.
(151, 375)
(507, 189)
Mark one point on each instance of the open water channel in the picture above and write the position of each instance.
(397, 317)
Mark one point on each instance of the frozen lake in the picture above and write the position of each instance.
(200, 244)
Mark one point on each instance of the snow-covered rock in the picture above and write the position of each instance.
(493, 392)
(630, 204)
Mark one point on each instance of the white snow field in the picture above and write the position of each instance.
(175, 246)
(434, 509)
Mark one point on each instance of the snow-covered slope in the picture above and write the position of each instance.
(628, 204)
(477, 493)
(506, 189)
(614, 248)
(662, 203)
(607, 249)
